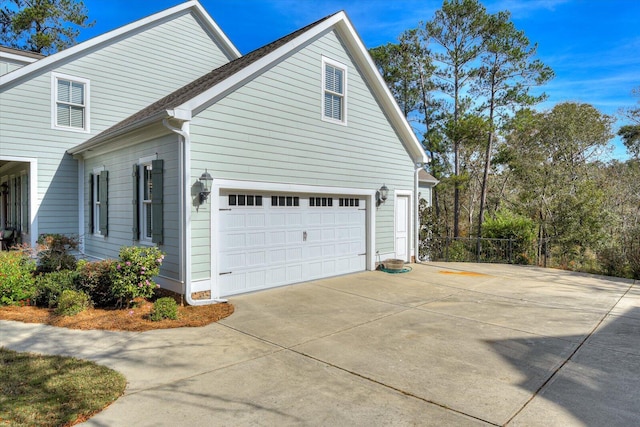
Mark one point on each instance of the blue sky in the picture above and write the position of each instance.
(592, 45)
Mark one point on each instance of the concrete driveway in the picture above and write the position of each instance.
(446, 344)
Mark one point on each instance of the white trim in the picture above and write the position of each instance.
(341, 24)
(409, 196)
(34, 197)
(81, 206)
(96, 211)
(142, 236)
(328, 61)
(18, 58)
(87, 46)
(54, 102)
(223, 184)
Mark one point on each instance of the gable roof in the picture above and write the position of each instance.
(19, 54)
(192, 6)
(199, 94)
(425, 177)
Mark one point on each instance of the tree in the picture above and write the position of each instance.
(457, 30)
(43, 26)
(630, 134)
(550, 155)
(506, 74)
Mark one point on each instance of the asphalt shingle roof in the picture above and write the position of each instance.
(202, 84)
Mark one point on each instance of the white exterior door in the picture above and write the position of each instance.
(269, 240)
(402, 227)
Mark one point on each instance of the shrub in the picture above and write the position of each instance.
(95, 279)
(509, 225)
(164, 308)
(613, 261)
(54, 252)
(16, 277)
(132, 274)
(49, 286)
(72, 302)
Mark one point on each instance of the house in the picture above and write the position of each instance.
(288, 164)
(426, 182)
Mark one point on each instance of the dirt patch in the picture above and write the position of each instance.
(462, 273)
(132, 319)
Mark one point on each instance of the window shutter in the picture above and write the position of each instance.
(104, 203)
(157, 201)
(92, 219)
(25, 204)
(136, 210)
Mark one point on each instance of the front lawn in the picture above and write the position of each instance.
(37, 390)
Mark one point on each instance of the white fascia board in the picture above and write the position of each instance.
(18, 58)
(340, 22)
(217, 31)
(360, 52)
(106, 137)
(49, 60)
(196, 103)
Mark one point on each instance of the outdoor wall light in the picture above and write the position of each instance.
(205, 180)
(381, 195)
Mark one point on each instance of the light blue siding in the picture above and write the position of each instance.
(272, 130)
(125, 75)
(119, 164)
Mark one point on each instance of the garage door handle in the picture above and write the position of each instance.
(304, 236)
(226, 272)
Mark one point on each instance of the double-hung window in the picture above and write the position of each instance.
(334, 78)
(70, 103)
(148, 201)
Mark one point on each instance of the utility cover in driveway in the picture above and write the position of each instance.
(269, 240)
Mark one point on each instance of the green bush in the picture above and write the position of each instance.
(49, 286)
(72, 302)
(16, 277)
(132, 275)
(613, 261)
(95, 279)
(521, 229)
(164, 308)
(54, 252)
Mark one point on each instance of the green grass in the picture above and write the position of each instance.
(37, 390)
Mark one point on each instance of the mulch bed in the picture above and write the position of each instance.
(134, 319)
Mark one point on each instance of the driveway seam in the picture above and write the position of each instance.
(563, 364)
(356, 374)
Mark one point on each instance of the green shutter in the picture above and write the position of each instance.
(136, 210)
(104, 203)
(91, 200)
(156, 201)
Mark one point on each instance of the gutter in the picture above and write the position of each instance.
(184, 213)
(416, 213)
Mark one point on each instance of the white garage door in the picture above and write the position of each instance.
(269, 240)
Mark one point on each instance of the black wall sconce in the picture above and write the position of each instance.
(205, 180)
(381, 195)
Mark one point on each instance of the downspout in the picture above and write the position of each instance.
(184, 231)
(416, 213)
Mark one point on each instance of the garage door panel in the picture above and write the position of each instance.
(287, 239)
(255, 220)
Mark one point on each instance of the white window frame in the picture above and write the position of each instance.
(95, 203)
(144, 205)
(55, 77)
(342, 67)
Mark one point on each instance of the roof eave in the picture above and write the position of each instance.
(105, 137)
(59, 56)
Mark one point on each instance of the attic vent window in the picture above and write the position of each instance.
(70, 106)
(334, 91)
